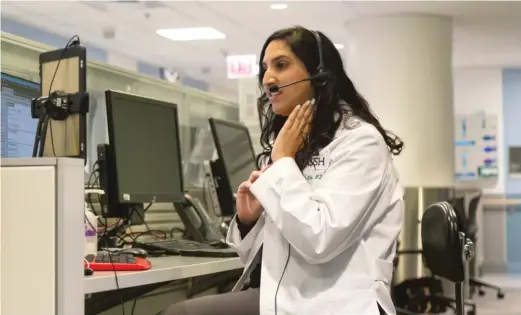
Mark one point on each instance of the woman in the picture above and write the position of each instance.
(318, 228)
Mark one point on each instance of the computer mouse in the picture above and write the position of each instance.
(88, 272)
(137, 252)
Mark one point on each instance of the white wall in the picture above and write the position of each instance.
(121, 60)
(480, 89)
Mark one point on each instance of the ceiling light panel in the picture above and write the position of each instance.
(278, 6)
(191, 34)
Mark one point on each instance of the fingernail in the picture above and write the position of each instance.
(313, 102)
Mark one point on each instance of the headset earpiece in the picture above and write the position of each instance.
(322, 76)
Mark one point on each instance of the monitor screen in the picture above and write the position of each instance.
(145, 136)
(235, 150)
(18, 127)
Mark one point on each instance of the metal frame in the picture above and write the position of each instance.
(63, 54)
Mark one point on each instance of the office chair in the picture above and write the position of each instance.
(446, 248)
(425, 294)
(472, 233)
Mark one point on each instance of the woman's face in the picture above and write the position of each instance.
(282, 67)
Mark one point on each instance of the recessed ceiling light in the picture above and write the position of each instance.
(278, 6)
(339, 46)
(194, 33)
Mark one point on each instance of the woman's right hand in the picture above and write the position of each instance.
(249, 208)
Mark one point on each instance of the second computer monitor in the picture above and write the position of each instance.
(18, 127)
(234, 147)
(144, 136)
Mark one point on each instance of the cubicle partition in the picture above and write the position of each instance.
(42, 243)
(497, 210)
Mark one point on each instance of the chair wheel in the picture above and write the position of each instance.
(481, 293)
(500, 295)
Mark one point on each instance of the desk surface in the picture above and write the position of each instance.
(163, 269)
(501, 202)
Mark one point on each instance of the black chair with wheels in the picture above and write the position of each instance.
(472, 234)
(446, 249)
(425, 294)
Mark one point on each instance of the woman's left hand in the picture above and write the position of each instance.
(295, 130)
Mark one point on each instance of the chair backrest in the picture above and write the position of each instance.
(459, 209)
(441, 242)
(472, 225)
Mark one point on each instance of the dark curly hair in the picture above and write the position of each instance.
(330, 110)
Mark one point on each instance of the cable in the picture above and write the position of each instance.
(52, 82)
(149, 230)
(118, 289)
(206, 184)
(282, 276)
(133, 307)
(90, 185)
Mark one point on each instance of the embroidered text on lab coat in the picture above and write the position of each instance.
(316, 167)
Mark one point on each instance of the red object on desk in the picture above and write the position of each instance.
(116, 262)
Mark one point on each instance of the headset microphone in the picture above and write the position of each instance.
(321, 76)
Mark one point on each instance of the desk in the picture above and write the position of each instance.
(163, 269)
(501, 202)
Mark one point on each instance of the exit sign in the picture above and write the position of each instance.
(241, 66)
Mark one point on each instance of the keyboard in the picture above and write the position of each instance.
(188, 248)
(111, 261)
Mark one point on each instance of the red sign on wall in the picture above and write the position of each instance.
(241, 66)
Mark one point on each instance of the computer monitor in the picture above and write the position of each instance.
(18, 127)
(236, 159)
(142, 163)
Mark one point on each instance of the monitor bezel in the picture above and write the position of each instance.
(110, 96)
(37, 84)
(218, 145)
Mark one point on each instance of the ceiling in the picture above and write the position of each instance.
(485, 33)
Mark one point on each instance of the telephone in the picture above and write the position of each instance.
(199, 225)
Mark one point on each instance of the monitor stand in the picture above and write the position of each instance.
(210, 190)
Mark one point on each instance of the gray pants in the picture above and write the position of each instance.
(232, 303)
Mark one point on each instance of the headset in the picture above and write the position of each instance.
(322, 76)
(319, 79)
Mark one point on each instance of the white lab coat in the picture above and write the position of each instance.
(329, 232)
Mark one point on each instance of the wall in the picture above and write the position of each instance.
(511, 83)
(479, 89)
(496, 91)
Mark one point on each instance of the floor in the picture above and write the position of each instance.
(510, 305)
